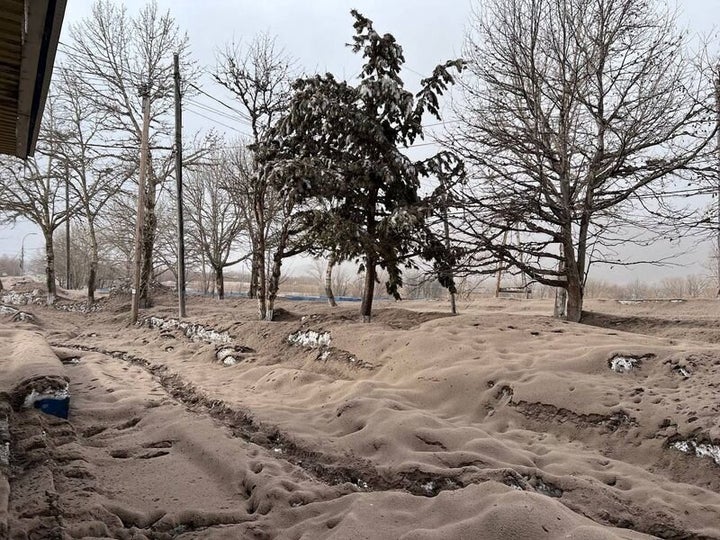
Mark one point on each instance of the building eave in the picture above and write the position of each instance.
(29, 36)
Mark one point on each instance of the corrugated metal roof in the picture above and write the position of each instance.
(29, 35)
(12, 16)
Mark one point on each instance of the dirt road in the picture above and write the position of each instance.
(500, 423)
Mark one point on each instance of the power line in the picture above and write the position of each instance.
(419, 145)
(411, 70)
(80, 73)
(119, 146)
(217, 121)
(123, 147)
(442, 123)
(217, 112)
(241, 117)
(221, 102)
(415, 145)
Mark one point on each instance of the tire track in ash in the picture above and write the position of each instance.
(133, 460)
(361, 474)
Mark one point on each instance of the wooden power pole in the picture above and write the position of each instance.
(178, 181)
(140, 218)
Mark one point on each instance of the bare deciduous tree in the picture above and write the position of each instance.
(214, 222)
(116, 226)
(576, 113)
(118, 54)
(81, 252)
(34, 190)
(259, 76)
(331, 277)
(92, 173)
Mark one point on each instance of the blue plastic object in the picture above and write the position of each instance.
(55, 407)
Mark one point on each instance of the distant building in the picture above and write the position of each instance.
(29, 35)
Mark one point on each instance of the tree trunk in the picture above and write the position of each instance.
(147, 264)
(448, 245)
(261, 291)
(252, 290)
(219, 282)
(370, 260)
(560, 303)
(274, 283)
(369, 289)
(328, 280)
(574, 300)
(560, 311)
(260, 253)
(148, 244)
(574, 278)
(205, 280)
(50, 269)
(92, 275)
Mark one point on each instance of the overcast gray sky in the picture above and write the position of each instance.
(315, 32)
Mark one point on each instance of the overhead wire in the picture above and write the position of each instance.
(217, 112)
(193, 111)
(75, 55)
(243, 115)
(197, 108)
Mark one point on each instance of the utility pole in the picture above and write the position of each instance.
(140, 218)
(67, 226)
(178, 181)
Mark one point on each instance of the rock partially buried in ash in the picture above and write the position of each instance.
(625, 363)
(698, 449)
(17, 315)
(310, 339)
(193, 331)
(229, 356)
